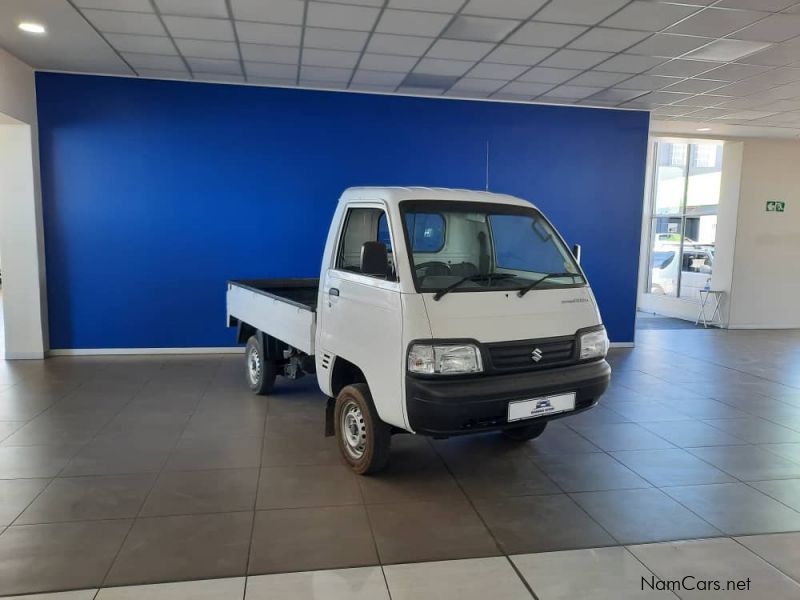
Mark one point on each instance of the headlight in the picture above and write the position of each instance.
(594, 344)
(446, 359)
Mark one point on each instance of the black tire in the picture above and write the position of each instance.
(364, 440)
(259, 372)
(526, 432)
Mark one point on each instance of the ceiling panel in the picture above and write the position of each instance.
(199, 28)
(684, 59)
(580, 11)
(649, 16)
(479, 29)
(604, 39)
(124, 22)
(289, 12)
(194, 8)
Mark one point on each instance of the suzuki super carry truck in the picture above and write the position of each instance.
(437, 312)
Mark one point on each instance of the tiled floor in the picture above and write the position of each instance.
(764, 566)
(122, 471)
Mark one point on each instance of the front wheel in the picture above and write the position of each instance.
(525, 433)
(364, 440)
(260, 372)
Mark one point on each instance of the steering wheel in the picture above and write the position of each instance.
(433, 264)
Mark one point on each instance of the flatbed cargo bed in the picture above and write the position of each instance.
(283, 308)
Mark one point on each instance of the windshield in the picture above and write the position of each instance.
(468, 246)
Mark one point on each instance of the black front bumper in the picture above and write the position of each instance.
(445, 407)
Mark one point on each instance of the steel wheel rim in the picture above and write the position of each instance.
(354, 430)
(254, 366)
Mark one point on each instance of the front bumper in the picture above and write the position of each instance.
(445, 407)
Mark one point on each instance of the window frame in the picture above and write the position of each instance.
(510, 209)
(348, 210)
(691, 150)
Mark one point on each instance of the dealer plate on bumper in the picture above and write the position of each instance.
(540, 407)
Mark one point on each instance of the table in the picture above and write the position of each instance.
(715, 296)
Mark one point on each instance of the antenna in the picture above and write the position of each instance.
(487, 165)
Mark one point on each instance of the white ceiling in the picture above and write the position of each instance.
(732, 65)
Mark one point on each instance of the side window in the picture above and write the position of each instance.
(361, 225)
(426, 231)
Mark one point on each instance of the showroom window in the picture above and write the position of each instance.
(683, 224)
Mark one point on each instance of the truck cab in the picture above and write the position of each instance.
(443, 312)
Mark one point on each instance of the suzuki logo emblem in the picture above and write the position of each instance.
(536, 355)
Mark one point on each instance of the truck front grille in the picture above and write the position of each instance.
(521, 355)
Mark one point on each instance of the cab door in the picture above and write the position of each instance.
(360, 314)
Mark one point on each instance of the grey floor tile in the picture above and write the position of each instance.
(59, 556)
(671, 467)
(160, 549)
(304, 449)
(736, 508)
(560, 439)
(748, 463)
(541, 524)
(789, 451)
(306, 486)
(218, 453)
(598, 415)
(589, 472)
(718, 559)
(449, 529)
(115, 458)
(89, 499)
(58, 431)
(622, 436)
(9, 427)
(229, 588)
(469, 579)
(33, 461)
(411, 482)
(692, 434)
(72, 595)
(598, 573)
(755, 430)
(304, 539)
(360, 583)
(650, 411)
(639, 516)
(781, 550)
(196, 492)
(16, 495)
(783, 490)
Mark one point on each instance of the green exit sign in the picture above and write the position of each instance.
(776, 206)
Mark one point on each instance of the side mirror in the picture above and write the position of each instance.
(576, 252)
(374, 259)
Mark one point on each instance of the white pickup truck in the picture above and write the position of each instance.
(437, 312)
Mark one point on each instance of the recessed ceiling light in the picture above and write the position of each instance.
(29, 27)
(703, 129)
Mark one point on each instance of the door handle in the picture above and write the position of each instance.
(333, 291)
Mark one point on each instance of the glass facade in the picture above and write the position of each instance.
(683, 226)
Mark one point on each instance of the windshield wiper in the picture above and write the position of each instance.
(524, 290)
(488, 278)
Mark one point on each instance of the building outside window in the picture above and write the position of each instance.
(683, 225)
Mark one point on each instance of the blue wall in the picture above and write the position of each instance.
(155, 192)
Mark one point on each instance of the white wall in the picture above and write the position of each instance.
(21, 235)
(766, 274)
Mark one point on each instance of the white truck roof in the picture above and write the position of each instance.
(394, 195)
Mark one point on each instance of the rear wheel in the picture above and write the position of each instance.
(260, 371)
(525, 433)
(364, 440)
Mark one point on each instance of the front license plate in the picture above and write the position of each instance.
(539, 407)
